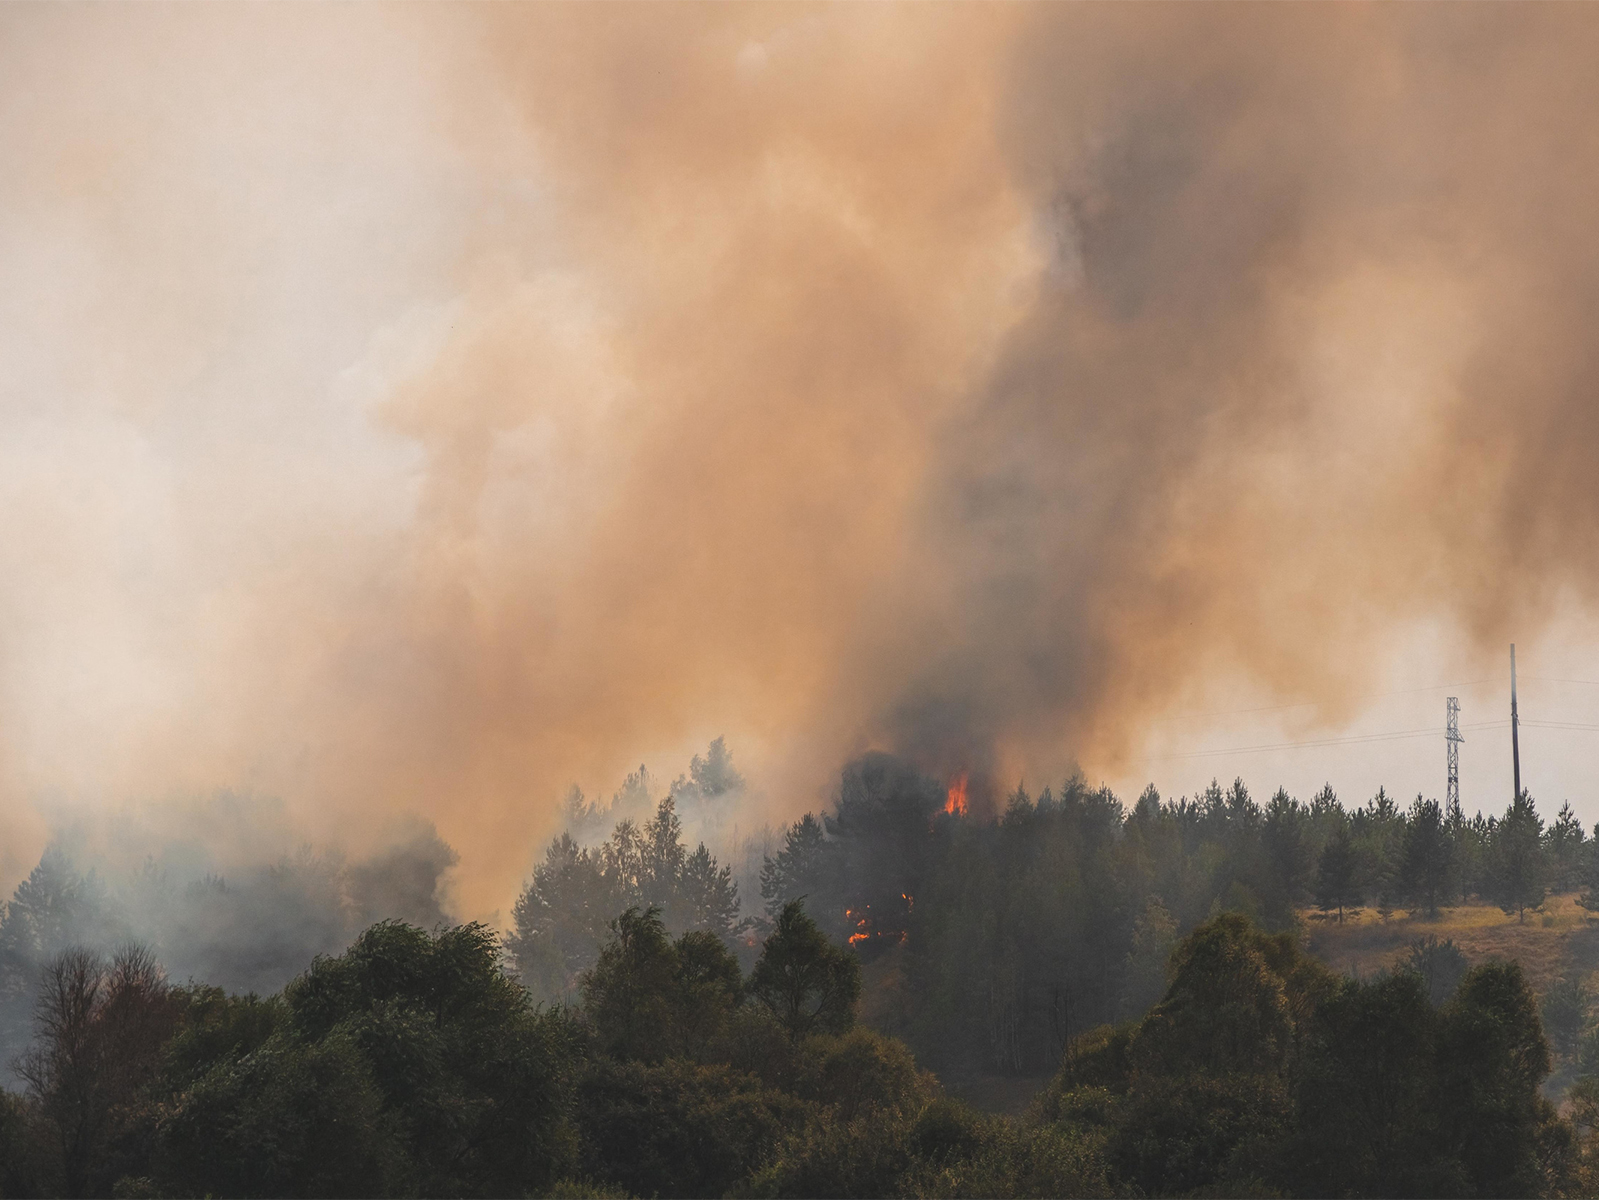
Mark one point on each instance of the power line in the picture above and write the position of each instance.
(1339, 741)
(1364, 738)
(1437, 687)
(1352, 739)
(1232, 712)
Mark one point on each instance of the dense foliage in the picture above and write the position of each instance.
(1014, 929)
(1260, 1072)
(634, 1035)
(413, 1064)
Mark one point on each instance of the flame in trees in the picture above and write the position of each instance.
(860, 934)
(955, 804)
(865, 930)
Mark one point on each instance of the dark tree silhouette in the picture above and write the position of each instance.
(101, 1028)
(802, 866)
(1337, 874)
(1426, 866)
(804, 980)
(1517, 872)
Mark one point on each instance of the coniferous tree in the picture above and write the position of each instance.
(1337, 875)
(1471, 843)
(1154, 936)
(804, 865)
(562, 917)
(1587, 874)
(714, 775)
(708, 895)
(1425, 868)
(1565, 846)
(1285, 838)
(1517, 872)
(1378, 831)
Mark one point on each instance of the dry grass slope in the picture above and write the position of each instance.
(1553, 940)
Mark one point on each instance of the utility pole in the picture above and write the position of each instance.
(1452, 740)
(1515, 724)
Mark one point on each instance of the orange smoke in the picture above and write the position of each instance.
(955, 804)
(449, 404)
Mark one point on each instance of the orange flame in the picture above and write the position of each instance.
(859, 925)
(955, 805)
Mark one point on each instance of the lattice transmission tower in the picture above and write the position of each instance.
(1452, 740)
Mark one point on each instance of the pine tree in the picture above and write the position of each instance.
(1517, 871)
(1566, 847)
(1425, 864)
(1336, 875)
(801, 865)
(1287, 850)
(714, 775)
(708, 894)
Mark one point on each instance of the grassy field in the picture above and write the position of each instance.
(1556, 939)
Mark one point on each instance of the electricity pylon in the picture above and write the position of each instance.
(1452, 740)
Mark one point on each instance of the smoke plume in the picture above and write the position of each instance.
(419, 409)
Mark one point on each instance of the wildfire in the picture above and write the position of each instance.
(860, 934)
(861, 920)
(955, 805)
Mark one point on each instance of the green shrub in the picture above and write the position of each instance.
(289, 1119)
(860, 1071)
(678, 1128)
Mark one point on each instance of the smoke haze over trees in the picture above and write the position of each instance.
(431, 412)
(408, 411)
(248, 932)
(414, 1064)
(1016, 933)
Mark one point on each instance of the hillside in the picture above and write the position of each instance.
(1558, 939)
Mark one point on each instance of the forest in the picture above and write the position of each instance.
(644, 1029)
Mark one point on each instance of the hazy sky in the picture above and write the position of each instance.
(406, 411)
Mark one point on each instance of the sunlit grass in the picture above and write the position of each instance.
(1554, 939)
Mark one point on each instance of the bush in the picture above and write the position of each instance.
(19, 1168)
(754, 1042)
(289, 1119)
(1009, 1158)
(1564, 1011)
(1180, 1134)
(860, 1071)
(650, 997)
(678, 1128)
(409, 1064)
(1440, 964)
(867, 1157)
